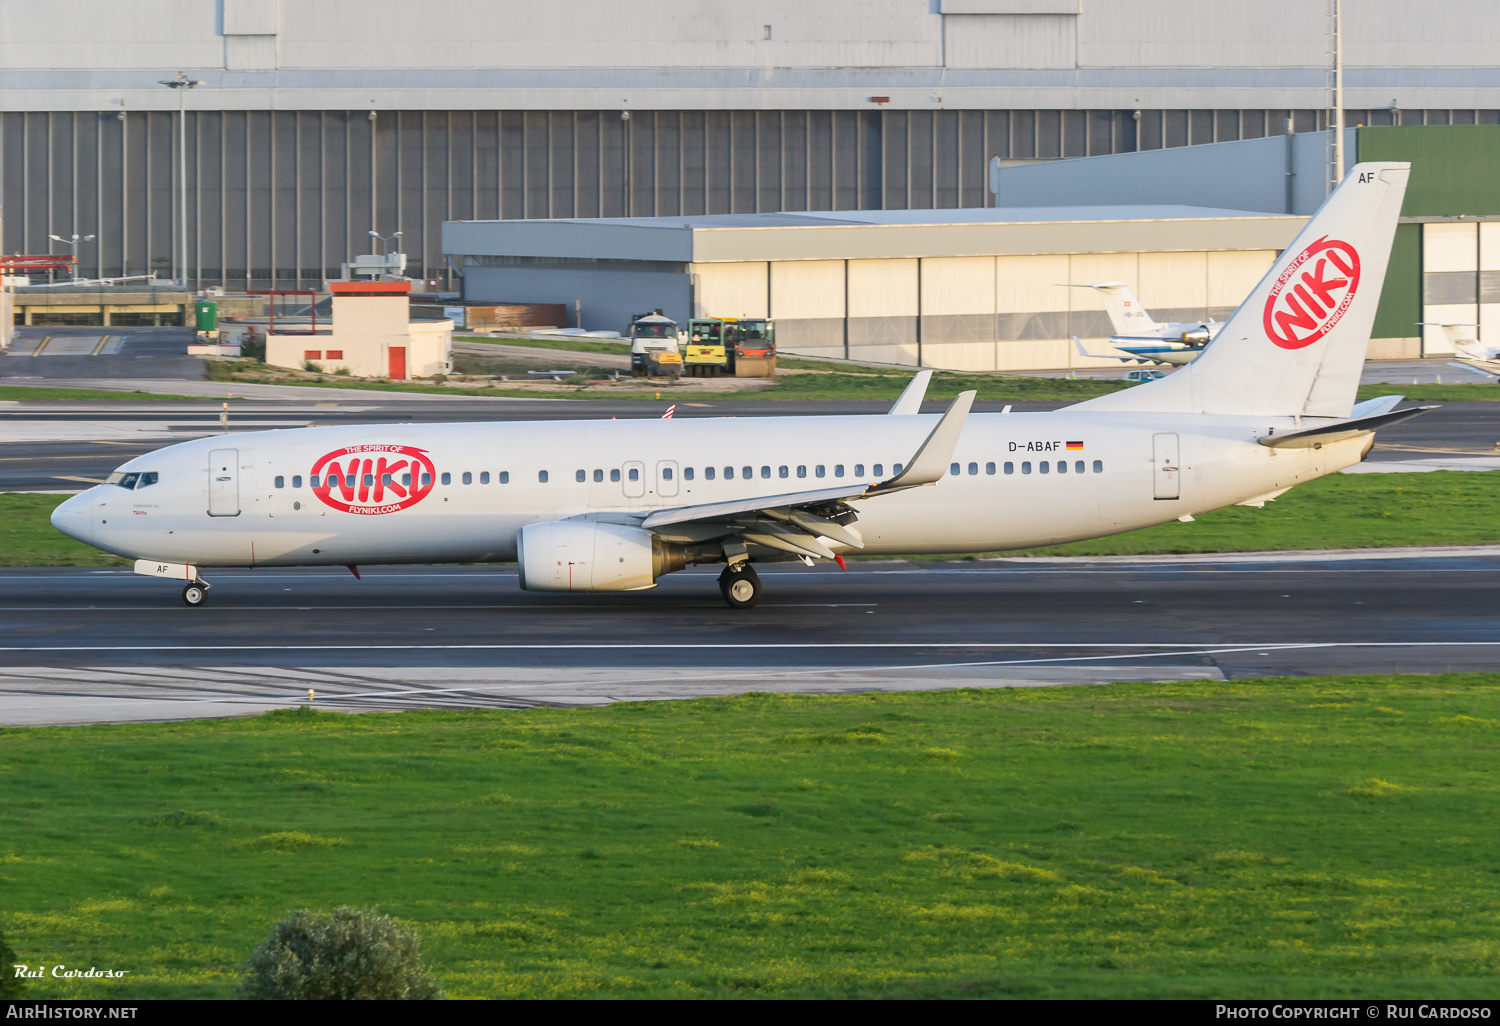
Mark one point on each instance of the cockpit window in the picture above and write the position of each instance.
(147, 479)
(132, 480)
(129, 480)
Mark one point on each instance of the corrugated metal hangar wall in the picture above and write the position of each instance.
(281, 198)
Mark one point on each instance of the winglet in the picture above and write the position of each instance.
(931, 461)
(911, 399)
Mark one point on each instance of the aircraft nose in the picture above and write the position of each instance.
(75, 518)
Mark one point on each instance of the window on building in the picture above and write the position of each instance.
(1026, 467)
(1098, 466)
(468, 478)
(296, 480)
(614, 475)
(505, 477)
(581, 476)
(447, 478)
(280, 481)
(541, 476)
(484, 477)
(312, 354)
(335, 354)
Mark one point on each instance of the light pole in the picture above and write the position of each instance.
(384, 256)
(73, 242)
(182, 84)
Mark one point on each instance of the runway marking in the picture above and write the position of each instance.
(100, 347)
(739, 646)
(408, 607)
(41, 345)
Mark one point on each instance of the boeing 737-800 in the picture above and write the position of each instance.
(613, 505)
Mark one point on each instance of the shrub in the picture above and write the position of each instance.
(347, 955)
(11, 988)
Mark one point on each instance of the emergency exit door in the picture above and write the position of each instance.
(1164, 465)
(224, 483)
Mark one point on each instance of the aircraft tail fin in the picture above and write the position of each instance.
(1296, 345)
(1126, 315)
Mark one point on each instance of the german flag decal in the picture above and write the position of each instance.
(1075, 445)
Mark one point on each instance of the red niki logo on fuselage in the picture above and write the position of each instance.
(373, 479)
(1312, 294)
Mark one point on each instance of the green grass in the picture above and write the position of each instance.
(34, 393)
(1340, 511)
(27, 537)
(621, 348)
(1286, 838)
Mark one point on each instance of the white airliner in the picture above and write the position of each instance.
(1472, 353)
(1146, 339)
(612, 505)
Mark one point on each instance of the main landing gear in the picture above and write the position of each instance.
(196, 593)
(740, 586)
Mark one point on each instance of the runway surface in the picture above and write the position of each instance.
(40, 455)
(80, 646)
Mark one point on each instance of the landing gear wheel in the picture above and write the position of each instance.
(195, 594)
(740, 587)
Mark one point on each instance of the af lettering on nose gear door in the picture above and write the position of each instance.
(224, 483)
(1164, 462)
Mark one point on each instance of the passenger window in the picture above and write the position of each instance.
(614, 475)
(781, 472)
(666, 473)
(385, 479)
(859, 470)
(819, 471)
(280, 481)
(484, 477)
(598, 476)
(766, 471)
(405, 481)
(468, 478)
(896, 469)
(581, 476)
(1043, 466)
(973, 468)
(635, 474)
(426, 480)
(748, 472)
(370, 480)
(989, 468)
(687, 473)
(801, 471)
(879, 470)
(504, 477)
(1010, 468)
(447, 478)
(1098, 466)
(1062, 466)
(1078, 467)
(708, 473)
(349, 480)
(296, 480)
(541, 475)
(1026, 467)
(838, 470)
(954, 468)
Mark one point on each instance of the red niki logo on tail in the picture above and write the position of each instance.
(389, 478)
(1312, 294)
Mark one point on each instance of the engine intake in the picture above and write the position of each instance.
(584, 555)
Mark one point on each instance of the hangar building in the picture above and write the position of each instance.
(316, 123)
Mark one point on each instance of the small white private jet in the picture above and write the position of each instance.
(612, 505)
(1473, 354)
(1146, 339)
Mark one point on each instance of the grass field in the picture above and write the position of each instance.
(1314, 837)
(1335, 512)
(37, 393)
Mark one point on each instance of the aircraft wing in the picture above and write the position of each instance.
(796, 521)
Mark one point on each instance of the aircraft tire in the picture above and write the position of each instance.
(195, 594)
(740, 587)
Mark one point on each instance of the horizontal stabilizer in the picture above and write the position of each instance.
(1313, 438)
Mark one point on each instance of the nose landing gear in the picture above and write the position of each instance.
(196, 593)
(740, 586)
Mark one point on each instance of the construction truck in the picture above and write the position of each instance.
(654, 348)
(740, 346)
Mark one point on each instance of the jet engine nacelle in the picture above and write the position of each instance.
(584, 555)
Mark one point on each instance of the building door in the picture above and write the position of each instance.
(224, 483)
(398, 363)
(635, 479)
(1164, 463)
(666, 478)
(1450, 282)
